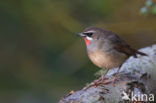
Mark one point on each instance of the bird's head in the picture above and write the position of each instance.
(91, 34)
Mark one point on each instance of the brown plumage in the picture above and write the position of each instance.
(106, 49)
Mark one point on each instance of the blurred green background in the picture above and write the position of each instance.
(41, 59)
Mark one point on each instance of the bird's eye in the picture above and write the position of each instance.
(89, 34)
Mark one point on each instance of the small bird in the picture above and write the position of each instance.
(106, 49)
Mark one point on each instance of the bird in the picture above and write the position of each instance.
(106, 49)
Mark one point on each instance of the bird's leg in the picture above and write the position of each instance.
(103, 76)
(102, 79)
(116, 74)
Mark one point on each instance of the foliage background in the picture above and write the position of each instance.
(41, 59)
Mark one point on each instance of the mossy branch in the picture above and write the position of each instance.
(137, 77)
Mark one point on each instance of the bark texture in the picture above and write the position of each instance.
(137, 78)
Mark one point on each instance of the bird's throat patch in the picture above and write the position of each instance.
(87, 41)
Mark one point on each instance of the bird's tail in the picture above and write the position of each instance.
(141, 53)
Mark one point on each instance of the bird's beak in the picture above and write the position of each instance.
(80, 34)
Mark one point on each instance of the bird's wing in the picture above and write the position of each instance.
(121, 46)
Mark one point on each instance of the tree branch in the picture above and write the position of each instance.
(135, 82)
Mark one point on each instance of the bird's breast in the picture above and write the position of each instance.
(109, 59)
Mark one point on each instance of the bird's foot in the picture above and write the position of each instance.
(99, 82)
(102, 80)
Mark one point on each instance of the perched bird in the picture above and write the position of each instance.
(106, 49)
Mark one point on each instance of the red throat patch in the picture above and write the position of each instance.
(87, 41)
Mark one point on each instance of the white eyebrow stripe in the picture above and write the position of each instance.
(91, 31)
